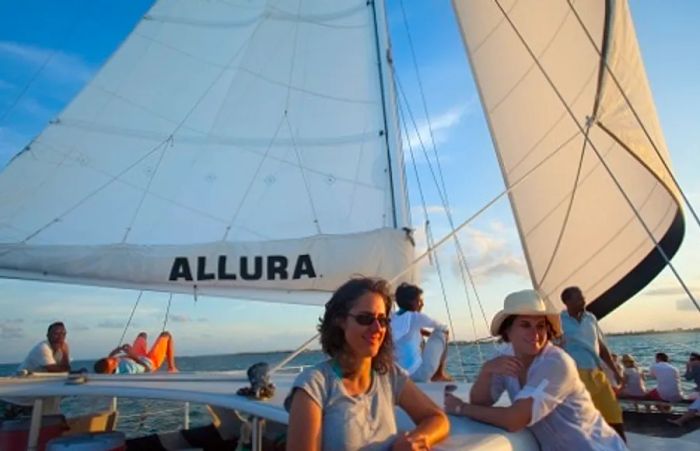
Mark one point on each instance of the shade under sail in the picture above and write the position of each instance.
(564, 90)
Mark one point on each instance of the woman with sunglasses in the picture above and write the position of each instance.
(347, 402)
(546, 393)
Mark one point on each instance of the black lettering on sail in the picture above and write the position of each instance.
(245, 275)
(304, 267)
(223, 275)
(277, 264)
(181, 269)
(202, 268)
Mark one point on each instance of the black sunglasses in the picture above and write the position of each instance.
(367, 319)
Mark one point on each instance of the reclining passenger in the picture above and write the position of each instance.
(133, 359)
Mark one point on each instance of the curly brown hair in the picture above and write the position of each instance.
(338, 307)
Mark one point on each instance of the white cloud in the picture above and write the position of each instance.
(670, 291)
(10, 330)
(489, 256)
(112, 324)
(685, 305)
(59, 66)
(419, 136)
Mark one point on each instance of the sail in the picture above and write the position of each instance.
(236, 148)
(566, 97)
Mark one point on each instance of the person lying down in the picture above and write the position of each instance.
(133, 359)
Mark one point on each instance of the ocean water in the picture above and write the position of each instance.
(139, 417)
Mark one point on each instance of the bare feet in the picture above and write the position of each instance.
(442, 377)
(173, 370)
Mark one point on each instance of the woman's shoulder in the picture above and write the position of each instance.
(555, 356)
(318, 372)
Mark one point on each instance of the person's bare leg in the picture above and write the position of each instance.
(441, 374)
(170, 355)
(680, 421)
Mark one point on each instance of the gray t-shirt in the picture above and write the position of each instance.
(362, 422)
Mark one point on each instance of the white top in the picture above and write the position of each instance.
(563, 414)
(39, 357)
(634, 384)
(405, 330)
(668, 381)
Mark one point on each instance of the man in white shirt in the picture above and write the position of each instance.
(408, 327)
(668, 380)
(50, 356)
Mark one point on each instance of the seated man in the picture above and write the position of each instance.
(133, 360)
(668, 380)
(51, 355)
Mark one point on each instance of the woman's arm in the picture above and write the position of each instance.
(431, 422)
(304, 430)
(512, 418)
(480, 393)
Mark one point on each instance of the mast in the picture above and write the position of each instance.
(392, 135)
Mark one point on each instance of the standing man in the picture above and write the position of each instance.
(50, 356)
(585, 343)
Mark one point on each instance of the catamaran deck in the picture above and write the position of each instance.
(219, 389)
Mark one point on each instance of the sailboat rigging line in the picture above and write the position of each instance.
(295, 147)
(128, 323)
(424, 102)
(295, 353)
(465, 272)
(47, 60)
(303, 177)
(636, 115)
(429, 236)
(601, 159)
(147, 154)
(567, 215)
(380, 68)
(478, 213)
(167, 312)
(164, 146)
(254, 177)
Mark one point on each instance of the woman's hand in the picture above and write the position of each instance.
(410, 442)
(453, 405)
(505, 365)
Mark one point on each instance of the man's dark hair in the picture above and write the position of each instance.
(53, 325)
(662, 356)
(694, 356)
(101, 366)
(406, 294)
(569, 293)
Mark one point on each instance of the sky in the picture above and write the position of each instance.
(49, 50)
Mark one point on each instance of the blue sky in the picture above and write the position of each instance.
(49, 49)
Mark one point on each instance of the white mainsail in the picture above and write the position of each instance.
(237, 148)
(551, 78)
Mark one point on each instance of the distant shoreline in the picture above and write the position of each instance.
(654, 332)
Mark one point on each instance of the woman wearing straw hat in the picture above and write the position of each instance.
(547, 395)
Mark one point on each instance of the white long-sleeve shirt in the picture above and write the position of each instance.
(405, 330)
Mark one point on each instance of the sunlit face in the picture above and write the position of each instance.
(528, 334)
(418, 303)
(57, 335)
(365, 341)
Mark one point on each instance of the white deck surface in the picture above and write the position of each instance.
(219, 389)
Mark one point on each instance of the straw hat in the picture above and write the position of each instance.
(525, 302)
